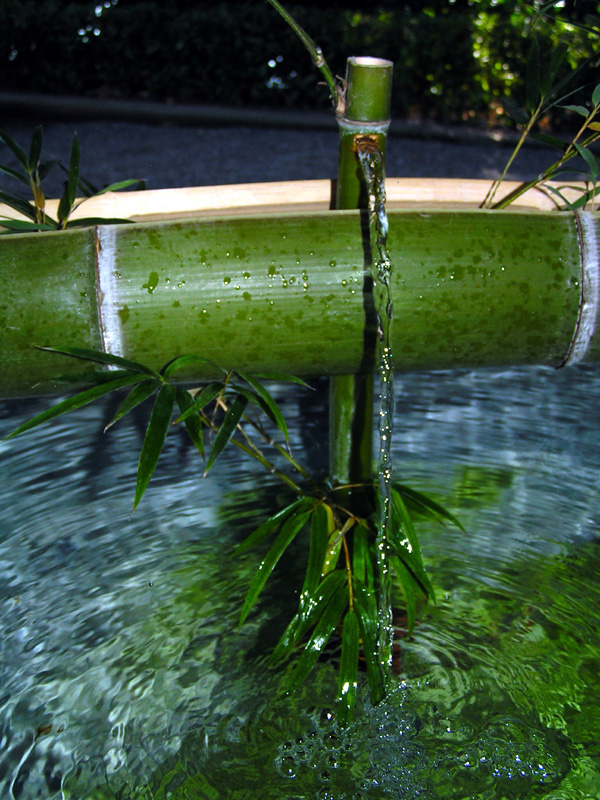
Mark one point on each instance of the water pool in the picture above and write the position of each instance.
(123, 673)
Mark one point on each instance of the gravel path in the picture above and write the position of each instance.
(168, 156)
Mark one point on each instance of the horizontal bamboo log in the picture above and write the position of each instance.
(287, 292)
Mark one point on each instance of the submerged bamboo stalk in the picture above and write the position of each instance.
(285, 292)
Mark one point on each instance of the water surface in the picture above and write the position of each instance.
(123, 673)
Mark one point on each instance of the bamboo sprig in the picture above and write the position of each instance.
(336, 89)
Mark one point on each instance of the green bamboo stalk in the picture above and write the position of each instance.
(285, 292)
(366, 117)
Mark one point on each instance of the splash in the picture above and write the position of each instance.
(372, 165)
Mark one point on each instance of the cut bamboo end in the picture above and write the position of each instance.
(289, 196)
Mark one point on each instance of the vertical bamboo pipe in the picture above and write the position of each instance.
(365, 114)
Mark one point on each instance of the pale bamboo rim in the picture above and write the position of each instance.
(289, 196)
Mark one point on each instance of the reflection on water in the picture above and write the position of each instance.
(123, 673)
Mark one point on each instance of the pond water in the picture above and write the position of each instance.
(123, 673)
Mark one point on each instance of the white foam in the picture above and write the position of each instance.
(589, 310)
(110, 322)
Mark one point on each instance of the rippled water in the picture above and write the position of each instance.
(123, 673)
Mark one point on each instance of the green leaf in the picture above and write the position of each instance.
(142, 391)
(115, 187)
(321, 634)
(22, 206)
(514, 110)
(551, 141)
(310, 609)
(226, 430)
(17, 151)
(408, 550)
(21, 226)
(594, 126)
(35, 148)
(273, 523)
(548, 75)
(410, 589)
(289, 530)
(348, 672)
(19, 176)
(589, 159)
(532, 75)
(425, 506)
(64, 207)
(365, 607)
(100, 357)
(154, 439)
(182, 362)
(73, 177)
(282, 377)
(77, 401)
(206, 396)
(596, 95)
(86, 222)
(319, 536)
(269, 405)
(581, 110)
(94, 376)
(192, 423)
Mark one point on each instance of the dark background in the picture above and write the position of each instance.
(455, 60)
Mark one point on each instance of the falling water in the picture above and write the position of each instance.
(372, 164)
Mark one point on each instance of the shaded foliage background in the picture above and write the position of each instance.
(455, 59)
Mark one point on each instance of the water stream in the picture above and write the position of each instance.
(123, 673)
(372, 164)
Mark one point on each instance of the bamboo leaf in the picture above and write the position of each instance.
(589, 159)
(77, 401)
(408, 550)
(532, 75)
(182, 362)
(192, 423)
(226, 430)
(290, 528)
(73, 177)
(46, 167)
(94, 376)
(310, 609)
(596, 95)
(115, 187)
(409, 587)
(551, 141)
(581, 110)
(321, 634)
(154, 439)
(22, 206)
(35, 148)
(515, 111)
(269, 405)
(22, 226)
(13, 173)
(282, 377)
(548, 76)
(365, 607)
(206, 396)
(17, 151)
(64, 206)
(594, 126)
(86, 222)
(273, 523)
(103, 358)
(426, 506)
(348, 672)
(360, 554)
(142, 391)
(321, 520)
